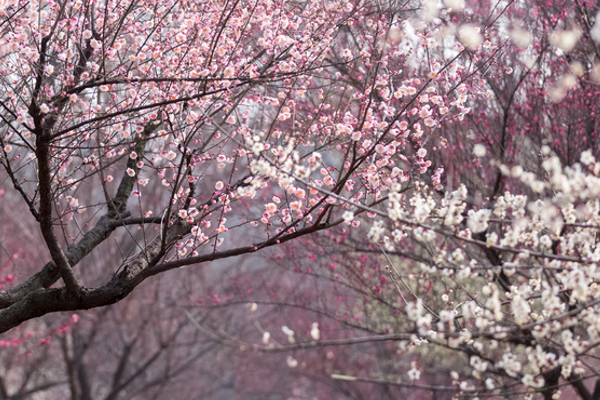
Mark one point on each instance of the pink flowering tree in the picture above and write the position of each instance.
(142, 347)
(202, 130)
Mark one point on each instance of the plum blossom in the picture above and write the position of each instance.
(348, 216)
(469, 36)
(479, 150)
(315, 334)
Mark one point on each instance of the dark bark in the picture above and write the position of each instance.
(135, 269)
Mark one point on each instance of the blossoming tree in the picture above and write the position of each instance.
(197, 121)
(197, 131)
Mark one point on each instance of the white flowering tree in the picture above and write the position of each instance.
(477, 301)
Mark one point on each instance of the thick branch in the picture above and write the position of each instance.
(137, 268)
(49, 273)
(116, 217)
(45, 214)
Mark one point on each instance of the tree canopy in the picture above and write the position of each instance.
(419, 174)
